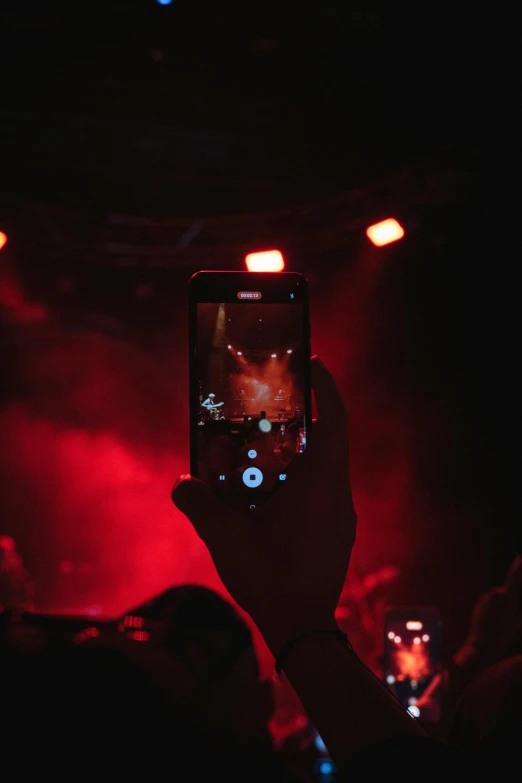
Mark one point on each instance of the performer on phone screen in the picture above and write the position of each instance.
(209, 402)
(212, 408)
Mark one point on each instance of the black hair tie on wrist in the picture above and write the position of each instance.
(287, 648)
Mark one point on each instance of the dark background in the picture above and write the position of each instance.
(141, 143)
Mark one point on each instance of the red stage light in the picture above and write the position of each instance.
(139, 636)
(3, 239)
(385, 232)
(87, 633)
(267, 261)
(132, 621)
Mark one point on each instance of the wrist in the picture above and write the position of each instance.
(278, 632)
(288, 649)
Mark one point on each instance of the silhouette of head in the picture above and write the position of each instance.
(216, 672)
(489, 718)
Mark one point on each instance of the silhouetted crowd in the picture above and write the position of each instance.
(172, 690)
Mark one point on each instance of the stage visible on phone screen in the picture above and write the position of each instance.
(413, 662)
(251, 396)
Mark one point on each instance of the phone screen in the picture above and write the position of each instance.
(413, 650)
(250, 390)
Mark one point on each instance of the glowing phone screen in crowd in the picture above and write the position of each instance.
(413, 660)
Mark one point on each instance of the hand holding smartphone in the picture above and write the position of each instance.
(250, 390)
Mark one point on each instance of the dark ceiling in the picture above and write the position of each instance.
(199, 107)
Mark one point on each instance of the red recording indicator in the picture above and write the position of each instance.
(249, 295)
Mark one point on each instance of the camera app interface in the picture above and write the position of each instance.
(251, 404)
(413, 665)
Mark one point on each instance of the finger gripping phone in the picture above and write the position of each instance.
(250, 390)
(413, 659)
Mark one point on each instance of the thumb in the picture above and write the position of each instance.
(330, 406)
(514, 576)
(193, 499)
(513, 583)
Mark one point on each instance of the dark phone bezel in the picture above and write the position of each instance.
(212, 286)
(402, 612)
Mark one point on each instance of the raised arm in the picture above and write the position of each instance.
(286, 563)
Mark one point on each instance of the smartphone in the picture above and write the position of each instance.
(413, 659)
(250, 389)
